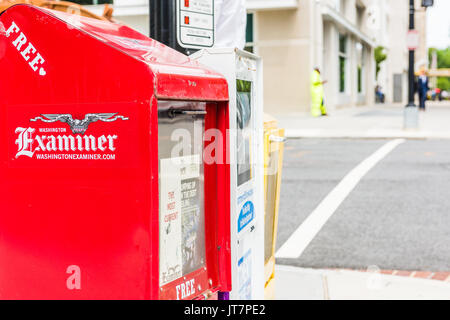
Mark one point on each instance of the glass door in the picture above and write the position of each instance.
(181, 193)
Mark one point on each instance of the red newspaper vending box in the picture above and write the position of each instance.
(104, 188)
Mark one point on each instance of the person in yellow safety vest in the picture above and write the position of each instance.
(317, 106)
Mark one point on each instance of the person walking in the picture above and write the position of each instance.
(317, 95)
(422, 87)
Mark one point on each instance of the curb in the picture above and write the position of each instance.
(304, 134)
(294, 283)
(429, 275)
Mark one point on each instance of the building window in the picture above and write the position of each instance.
(342, 6)
(343, 57)
(360, 66)
(249, 35)
(360, 11)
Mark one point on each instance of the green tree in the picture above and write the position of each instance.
(380, 56)
(443, 83)
(443, 61)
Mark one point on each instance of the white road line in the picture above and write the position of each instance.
(302, 237)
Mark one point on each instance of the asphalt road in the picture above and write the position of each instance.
(397, 218)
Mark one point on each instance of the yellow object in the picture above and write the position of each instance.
(317, 104)
(273, 164)
(64, 6)
(439, 73)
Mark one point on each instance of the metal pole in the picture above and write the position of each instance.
(163, 23)
(411, 76)
(153, 18)
(411, 118)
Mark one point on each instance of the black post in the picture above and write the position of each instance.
(411, 114)
(411, 76)
(163, 23)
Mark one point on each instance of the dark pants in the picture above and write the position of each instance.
(323, 109)
(423, 99)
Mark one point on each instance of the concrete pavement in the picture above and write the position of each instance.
(368, 218)
(379, 121)
(312, 284)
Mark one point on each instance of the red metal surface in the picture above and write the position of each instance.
(99, 215)
(191, 80)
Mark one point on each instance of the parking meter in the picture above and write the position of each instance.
(106, 184)
(243, 71)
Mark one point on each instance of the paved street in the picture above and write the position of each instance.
(397, 217)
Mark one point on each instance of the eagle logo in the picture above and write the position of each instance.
(79, 126)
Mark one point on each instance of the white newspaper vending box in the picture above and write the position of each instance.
(243, 72)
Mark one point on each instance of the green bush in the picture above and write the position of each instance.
(443, 61)
(380, 56)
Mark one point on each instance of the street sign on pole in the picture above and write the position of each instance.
(195, 23)
(413, 40)
(411, 115)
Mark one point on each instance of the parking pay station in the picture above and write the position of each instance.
(243, 71)
(105, 191)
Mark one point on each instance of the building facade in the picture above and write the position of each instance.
(393, 76)
(325, 34)
(338, 36)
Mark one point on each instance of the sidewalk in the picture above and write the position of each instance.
(377, 122)
(308, 284)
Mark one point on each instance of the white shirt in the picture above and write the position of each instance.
(230, 23)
